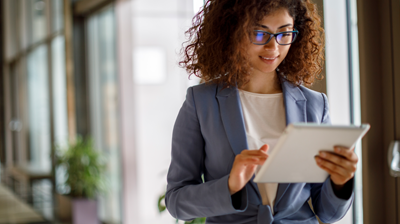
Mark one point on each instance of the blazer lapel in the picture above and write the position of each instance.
(295, 102)
(232, 118)
(233, 121)
(295, 107)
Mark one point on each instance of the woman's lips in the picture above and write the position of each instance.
(269, 60)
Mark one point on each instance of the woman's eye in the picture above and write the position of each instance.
(286, 34)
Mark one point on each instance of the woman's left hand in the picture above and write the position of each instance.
(341, 165)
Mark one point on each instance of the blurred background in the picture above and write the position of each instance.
(108, 70)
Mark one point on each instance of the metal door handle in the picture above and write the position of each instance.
(15, 125)
(394, 158)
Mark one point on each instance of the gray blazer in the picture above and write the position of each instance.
(209, 132)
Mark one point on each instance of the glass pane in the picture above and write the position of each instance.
(38, 107)
(10, 18)
(59, 92)
(60, 115)
(36, 19)
(15, 125)
(19, 110)
(59, 103)
(104, 106)
(57, 14)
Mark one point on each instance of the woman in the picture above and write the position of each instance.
(254, 57)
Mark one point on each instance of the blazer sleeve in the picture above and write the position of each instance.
(327, 205)
(187, 197)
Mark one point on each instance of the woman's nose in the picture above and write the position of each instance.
(271, 45)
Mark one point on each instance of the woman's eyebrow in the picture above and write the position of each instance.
(266, 27)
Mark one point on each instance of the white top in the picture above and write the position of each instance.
(265, 121)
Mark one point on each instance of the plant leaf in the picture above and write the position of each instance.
(161, 207)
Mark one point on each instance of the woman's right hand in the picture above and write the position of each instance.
(244, 166)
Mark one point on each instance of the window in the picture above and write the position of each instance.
(36, 109)
(343, 85)
(104, 106)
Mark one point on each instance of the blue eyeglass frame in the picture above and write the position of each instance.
(276, 34)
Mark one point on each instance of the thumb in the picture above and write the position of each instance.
(264, 148)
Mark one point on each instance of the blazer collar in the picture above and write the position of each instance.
(295, 102)
(231, 110)
(233, 121)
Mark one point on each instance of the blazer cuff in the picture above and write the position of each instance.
(334, 199)
(346, 191)
(239, 200)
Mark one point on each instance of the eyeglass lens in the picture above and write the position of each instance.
(282, 38)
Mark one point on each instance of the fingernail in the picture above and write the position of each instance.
(323, 154)
(337, 149)
(318, 159)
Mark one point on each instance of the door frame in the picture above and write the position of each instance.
(379, 75)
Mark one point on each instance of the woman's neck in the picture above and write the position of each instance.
(263, 83)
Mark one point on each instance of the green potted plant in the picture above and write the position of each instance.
(162, 208)
(84, 169)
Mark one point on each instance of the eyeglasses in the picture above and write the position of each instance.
(261, 37)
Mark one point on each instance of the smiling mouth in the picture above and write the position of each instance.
(269, 58)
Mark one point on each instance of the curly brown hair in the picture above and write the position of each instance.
(215, 49)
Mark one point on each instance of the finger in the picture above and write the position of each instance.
(331, 172)
(339, 160)
(253, 153)
(251, 160)
(333, 167)
(264, 148)
(335, 177)
(347, 165)
(347, 153)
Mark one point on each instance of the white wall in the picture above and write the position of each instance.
(158, 27)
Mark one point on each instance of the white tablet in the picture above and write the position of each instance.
(292, 159)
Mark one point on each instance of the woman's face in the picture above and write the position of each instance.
(266, 58)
